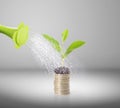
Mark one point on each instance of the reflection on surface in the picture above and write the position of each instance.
(36, 88)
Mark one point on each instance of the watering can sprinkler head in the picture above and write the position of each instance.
(19, 35)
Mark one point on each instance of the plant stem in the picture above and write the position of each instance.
(62, 52)
(62, 62)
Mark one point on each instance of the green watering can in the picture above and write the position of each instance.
(19, 35)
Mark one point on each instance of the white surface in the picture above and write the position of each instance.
(37, 88)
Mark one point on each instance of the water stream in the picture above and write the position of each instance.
(44, 53)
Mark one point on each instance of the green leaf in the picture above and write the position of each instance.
(73, 46)
(64, 35)
(53, 41)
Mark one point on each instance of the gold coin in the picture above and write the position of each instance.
(61, 84)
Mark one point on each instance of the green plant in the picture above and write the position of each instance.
(59, 48)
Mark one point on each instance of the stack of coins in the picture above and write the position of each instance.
(61, 84)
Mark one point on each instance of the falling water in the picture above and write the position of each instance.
(44, 53)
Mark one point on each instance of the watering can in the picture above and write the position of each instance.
(19, 35)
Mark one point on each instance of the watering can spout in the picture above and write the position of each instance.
(19, 35)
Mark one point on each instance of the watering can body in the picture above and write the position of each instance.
(19, 35)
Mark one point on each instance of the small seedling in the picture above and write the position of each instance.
(74, 45)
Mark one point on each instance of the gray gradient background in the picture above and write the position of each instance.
(95, 77)
(95, 21)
